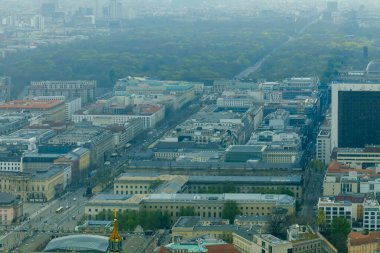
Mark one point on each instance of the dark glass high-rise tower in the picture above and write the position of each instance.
(355, 115)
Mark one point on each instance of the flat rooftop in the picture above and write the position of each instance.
(272, 239)
(27, 134)
(48, 173)
(246, 148)
(6, 198)
(31, 104)
(114, 199)
(246, 179)
(248, 197)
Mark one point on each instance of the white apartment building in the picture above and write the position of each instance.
(150, 120)
(333, 209)
(11, 165)
(324, 146)
(371, 217)
(71, 106)
(234, 102)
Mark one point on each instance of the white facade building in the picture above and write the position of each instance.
(371, 215)
(334, 209)
(150, 120)
(11, 166)
(234, 102)
(71, 107)
(324, 146)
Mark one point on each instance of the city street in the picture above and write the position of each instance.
(44, 218)
(312, 191)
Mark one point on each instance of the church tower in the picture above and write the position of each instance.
(115, 238)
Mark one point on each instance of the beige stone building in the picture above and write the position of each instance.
(52, 109)
(144, 183)
(359, 243)
(211, 205)
(188, 227)
(38, 186)
(306, 240)
(248, 242)
(205, 205)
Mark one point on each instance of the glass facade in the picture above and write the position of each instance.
(358, 118)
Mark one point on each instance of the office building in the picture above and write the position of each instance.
(276, 139)
(355, 115)
(342, 179)
(5, 88)
(172, 149)
(10, 161)
(122, 135)
(144, 183)
(38, 22)
(243, 153)
(71, 106)
(34, 161)
(121, 114)
(360, 158)
(146, 86)
(98, 140)
(26, 139)
(85, 89)
(79, 161)
(219, 126)
(324, 146)
(235, 102)
(348, 207)
(371, 217)
(298, 86)
(12, 122)
(245, 184)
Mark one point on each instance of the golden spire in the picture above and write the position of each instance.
(115, 238)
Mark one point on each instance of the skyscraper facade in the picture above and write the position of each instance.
(355, 115)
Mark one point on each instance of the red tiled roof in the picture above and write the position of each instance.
(352, 199)
(31, 104)
(356, 238)
(336, 167)
(222, 248)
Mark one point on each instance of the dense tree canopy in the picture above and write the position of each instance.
(162, 48)
(230, 210)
